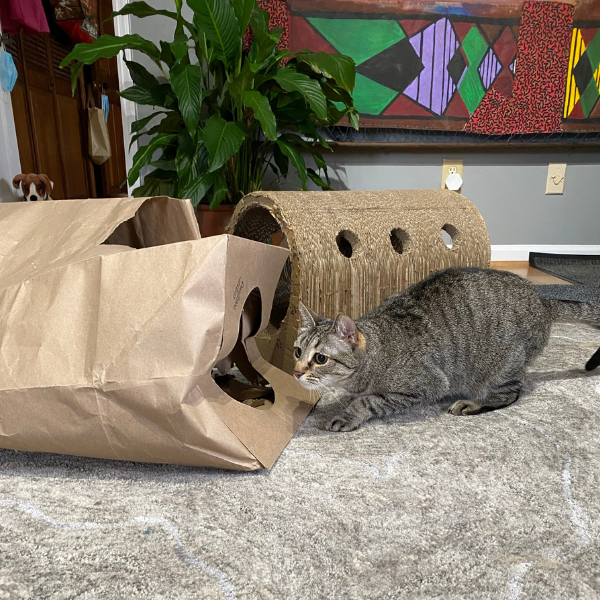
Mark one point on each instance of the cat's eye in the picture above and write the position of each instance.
(320, 359)
(297, 352)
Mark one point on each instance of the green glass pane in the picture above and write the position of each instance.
(471, 89)
(593, 51)
(589, 97)
(370, 97)
(359, 38)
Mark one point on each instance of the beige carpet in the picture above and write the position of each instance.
(503, 505)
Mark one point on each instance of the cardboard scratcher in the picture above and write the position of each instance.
(113, 314)
(351, 249)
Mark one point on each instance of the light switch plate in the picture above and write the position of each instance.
(555, 183)
(455, 163)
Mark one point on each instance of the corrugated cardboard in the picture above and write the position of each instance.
(107, 348)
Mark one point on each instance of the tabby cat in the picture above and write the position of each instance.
(462, 334)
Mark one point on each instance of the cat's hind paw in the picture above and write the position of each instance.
(342, 423)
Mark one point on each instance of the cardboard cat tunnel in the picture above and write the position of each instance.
(351, 249)
(114, 314)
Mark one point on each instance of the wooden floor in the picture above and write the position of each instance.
(524, 270)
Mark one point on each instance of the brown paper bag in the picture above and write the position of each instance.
(107, 349)
(98, 139)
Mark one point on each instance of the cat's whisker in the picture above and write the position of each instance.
(335, 396)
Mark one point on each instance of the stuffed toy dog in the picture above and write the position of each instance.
(34, 187)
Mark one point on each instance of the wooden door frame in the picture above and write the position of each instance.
(9, 148)
(129, 109)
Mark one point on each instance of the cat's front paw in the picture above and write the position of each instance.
(342, 423)
(465, 407)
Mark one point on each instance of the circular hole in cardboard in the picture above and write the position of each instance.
(449, 233)
(400, 240)
(238, 377)
(348, 243)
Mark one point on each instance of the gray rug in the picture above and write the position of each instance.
(581, 269)
(572, 293)
(504, 505)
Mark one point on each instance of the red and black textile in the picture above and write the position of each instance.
(536, 104)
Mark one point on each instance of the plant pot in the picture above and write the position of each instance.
(213, 222)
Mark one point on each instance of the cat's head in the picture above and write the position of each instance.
(327, 352)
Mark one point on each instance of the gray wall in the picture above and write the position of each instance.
(506, 186)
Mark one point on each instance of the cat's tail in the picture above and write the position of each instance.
(585, 312)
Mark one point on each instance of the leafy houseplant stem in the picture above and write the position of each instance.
(227, 115)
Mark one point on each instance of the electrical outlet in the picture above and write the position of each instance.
(555, 183)
(451, 166)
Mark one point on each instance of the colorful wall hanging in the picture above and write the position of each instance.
(78, 18)
(495, 68)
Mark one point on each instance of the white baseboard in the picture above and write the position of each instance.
(521, 251)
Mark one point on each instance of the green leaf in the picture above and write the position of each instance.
(313, 175)
(219, 191)
(354, 118)
(141, 95)
(244, 81)
(336, 94)
(180, 50)
(292, 81)
(141, 10)
(186, 81)
(75, 71)
(243, 10)
(216, 18)
(155, 186)
(141, 76)
(198, 188)
(141, 123)
(164, 164)
(166, 54)
(296, 158)
(107, 46)
(320, 162)
(323, 142)
(282, 161)
(263, 47)
(138, 94)
(162, 95)
(180, 46)
(307, 127)
(259, 21)
(170, 124)
(262, 111)
(333, 66)
(275, 34)
(222, 140)
(144, 154)
(185, 156)
(162, 175)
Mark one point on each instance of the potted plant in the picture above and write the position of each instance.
(230, 105)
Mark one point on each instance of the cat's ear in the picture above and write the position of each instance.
(344, 328)
(308, 318)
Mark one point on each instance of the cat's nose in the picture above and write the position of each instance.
(298, 374)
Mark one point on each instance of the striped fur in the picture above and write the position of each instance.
(464, 335)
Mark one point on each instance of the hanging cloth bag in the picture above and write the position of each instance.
(99, 141)
(23, 15)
